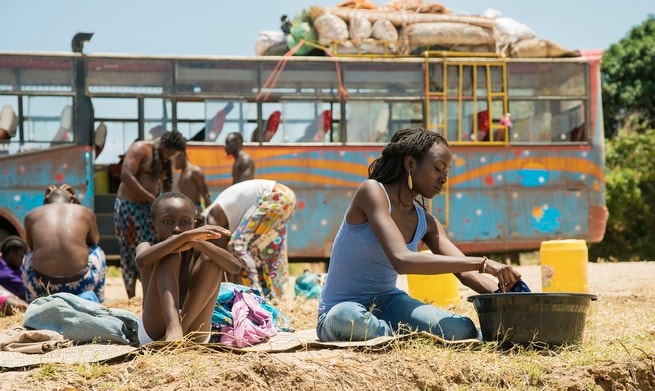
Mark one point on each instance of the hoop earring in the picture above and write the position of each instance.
(410, 183)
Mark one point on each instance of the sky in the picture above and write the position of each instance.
(220, 27)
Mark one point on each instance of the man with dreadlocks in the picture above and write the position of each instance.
(145, 173)
(378, 239)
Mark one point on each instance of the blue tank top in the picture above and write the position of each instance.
(359, 270)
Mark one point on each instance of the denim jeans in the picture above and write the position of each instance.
(81, 320)
(385, 315)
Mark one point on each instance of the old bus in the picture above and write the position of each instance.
(316, 123)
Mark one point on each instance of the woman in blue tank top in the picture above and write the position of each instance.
(379, 238)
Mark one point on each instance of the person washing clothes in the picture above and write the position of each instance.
(256, 212)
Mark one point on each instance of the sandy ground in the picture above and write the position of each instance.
(618, 360)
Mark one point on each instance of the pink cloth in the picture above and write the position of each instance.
(252, 324)
(506, 120)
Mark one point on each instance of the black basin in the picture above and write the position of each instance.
(533, 319)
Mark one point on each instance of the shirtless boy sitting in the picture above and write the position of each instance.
(181, 273)
(64, 255)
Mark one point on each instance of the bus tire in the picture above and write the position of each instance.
(6, 229)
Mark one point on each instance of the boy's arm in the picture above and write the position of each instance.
(147, 256)
(223, 258)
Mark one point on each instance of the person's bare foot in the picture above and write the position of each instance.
(175, 334)
(200, 337)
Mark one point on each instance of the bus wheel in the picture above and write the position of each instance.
(6, 230)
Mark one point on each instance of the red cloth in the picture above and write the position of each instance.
(483, 121)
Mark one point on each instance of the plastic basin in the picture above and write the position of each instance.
(533, 319)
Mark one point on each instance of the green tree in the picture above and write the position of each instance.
(630, 182)
(628, 79)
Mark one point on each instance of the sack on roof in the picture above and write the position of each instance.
(447, 34)
(330, 28)
(359, 28)
(540, 48)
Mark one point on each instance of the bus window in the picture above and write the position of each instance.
(375, 121)
(405, 114)
(318, 130)
(157, 117)
(384, 79)
(225, 117)
(123, 108)
(219, 117)
(548, 121)
(120, 116)
(307, 122)
(129, 76)
(368, 122)
(215, 77)
(65, 132)
(271, 118)
(472, 103)
(268, 129)
(47, 119)
(191, 120)
(120, 135)
(531, 79)
(570, 122)
(8, 123)
(309, 79)
(547, 101)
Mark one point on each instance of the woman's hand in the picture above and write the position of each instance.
(507, 276)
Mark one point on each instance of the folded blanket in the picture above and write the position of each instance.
(33, 341)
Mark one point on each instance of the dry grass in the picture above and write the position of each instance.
(618, 354)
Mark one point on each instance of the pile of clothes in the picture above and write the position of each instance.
(242, 317)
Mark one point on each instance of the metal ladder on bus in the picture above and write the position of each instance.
(494, 95)
(437, 89)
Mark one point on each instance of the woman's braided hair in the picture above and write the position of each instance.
(413, 142)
